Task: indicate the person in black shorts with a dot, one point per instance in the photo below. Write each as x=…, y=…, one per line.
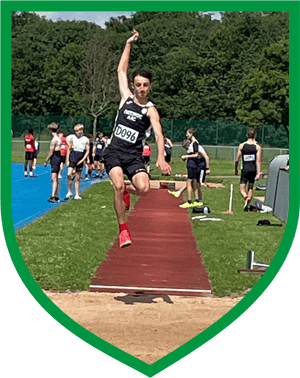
x=55, y=159
x=250, y=154
x=99, y=147
x=123, y=154
x=89, y=163
x=76, y=155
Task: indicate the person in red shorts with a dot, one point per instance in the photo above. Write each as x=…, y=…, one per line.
x=29, y=153
x=63, y=152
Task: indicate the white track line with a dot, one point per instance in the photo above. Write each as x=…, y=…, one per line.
x=149, y=289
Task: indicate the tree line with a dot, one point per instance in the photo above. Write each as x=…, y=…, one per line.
x=236, y=69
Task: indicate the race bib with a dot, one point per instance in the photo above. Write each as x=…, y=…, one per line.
x=126, y=133
x=28, y=146
x=249, y=158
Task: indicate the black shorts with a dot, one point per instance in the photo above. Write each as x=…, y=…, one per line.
x=201, y=175
x=193, y=173
x=146, y=159
x=168, y=158
x=35, y=154
x=77, y=167
x=247, y=176
x=29, y=155
x=55, y=163
x=63, y=159
x=91, y=159
x=131, y=164
x=98, y=158
x=75, y=157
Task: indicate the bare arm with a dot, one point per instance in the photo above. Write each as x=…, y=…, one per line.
x=123, y=68
x=258, y=163
x=87, y=150
x=155, y=121
x=237, y=159
x=52, y=149
x=68, y=152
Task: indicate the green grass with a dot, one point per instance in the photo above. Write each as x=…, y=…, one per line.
x=68, y=244
x=224, y=245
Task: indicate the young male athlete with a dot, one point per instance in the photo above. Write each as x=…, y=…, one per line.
x=29, y=153
x=250, y=154
x=195, y=157
x=124, y=152
x=99, y=147
x=77, y=153
x=63, y=152
x=55, y=158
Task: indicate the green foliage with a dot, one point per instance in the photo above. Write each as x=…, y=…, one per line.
x=265, y=92
x=203, y=68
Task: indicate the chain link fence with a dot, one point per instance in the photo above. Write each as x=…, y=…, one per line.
x=210, y=133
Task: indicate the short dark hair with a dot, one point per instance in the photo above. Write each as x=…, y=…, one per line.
x=251, y=132
x=191, y=130
x=144, y=73
x=30, y=131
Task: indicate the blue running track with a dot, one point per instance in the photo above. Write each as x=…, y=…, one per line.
x=29, y=195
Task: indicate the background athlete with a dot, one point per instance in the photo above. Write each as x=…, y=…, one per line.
x=124, y=153
x=250, y=152
x=29, y=153
x=77, y=153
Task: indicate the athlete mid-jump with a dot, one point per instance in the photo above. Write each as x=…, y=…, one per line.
x=124, y=153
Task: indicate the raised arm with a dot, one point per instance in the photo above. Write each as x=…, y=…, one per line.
x=123, y=68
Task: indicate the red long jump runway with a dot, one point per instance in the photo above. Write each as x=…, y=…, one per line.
x=163, y=258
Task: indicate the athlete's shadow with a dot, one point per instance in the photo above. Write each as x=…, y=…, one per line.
x=130, y=299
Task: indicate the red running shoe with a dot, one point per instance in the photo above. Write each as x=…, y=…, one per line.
x=124, y=239
x=126, y=199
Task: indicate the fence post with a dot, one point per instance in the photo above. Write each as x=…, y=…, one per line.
x=172, y=128
x=217, y=132
x=263, y=134
x=39, y=127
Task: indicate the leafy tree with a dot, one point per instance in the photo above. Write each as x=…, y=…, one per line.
x=265, y=92
x=99, y=78
x=63, y=78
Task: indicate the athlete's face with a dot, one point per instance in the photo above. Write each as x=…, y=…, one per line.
x=189, y=135
x=141, y=86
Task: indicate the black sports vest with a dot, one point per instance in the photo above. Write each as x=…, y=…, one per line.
x=130, y=127
x=249, y=156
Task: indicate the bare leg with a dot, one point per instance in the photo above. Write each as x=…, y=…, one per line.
x=55, y=184
x=117, y=178
x=77, y=183
x=189, y=189
x=70, y=179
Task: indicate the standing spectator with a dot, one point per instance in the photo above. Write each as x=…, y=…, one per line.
x=55, y=158
x=250, y=153
x=89, y=165
x=35, y=154
x=98, y=154
x=77, y=153
x=193, y=183
x=63, y=152
x=29, y=153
